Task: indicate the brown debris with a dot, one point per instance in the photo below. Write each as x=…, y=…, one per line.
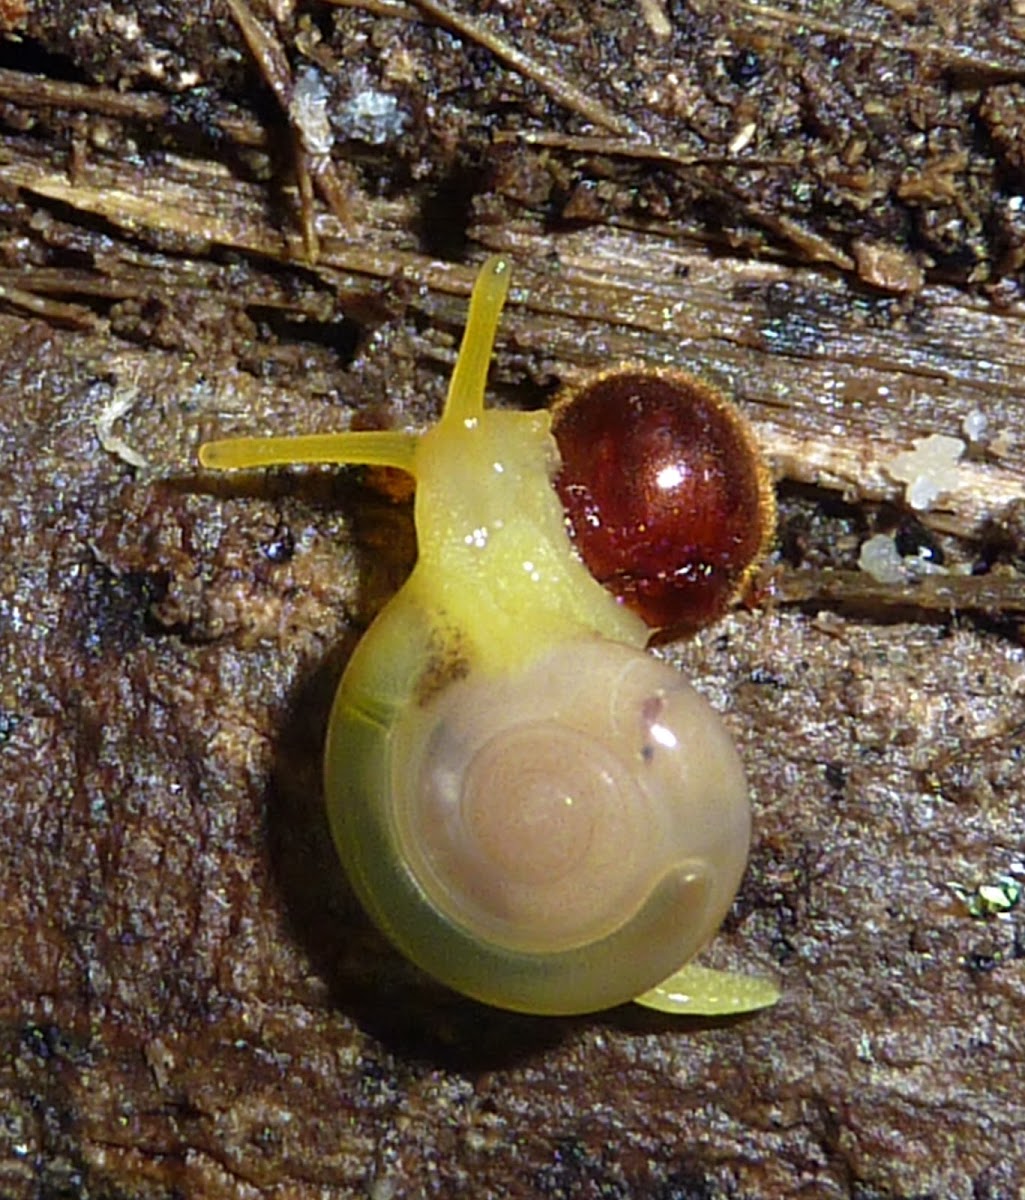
x=547, y=78
x=312, y=158
x=13, y=12
x=887, y=268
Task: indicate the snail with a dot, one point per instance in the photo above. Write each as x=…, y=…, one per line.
x=532, y=808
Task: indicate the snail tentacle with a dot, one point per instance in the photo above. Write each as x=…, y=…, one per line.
x=465, y=400
x=371, y=447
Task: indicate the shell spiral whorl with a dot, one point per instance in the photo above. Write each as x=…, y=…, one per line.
x=582, y=823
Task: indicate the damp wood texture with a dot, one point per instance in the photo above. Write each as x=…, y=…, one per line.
x=266, y=219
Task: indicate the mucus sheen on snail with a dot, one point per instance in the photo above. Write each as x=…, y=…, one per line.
x=536, y=811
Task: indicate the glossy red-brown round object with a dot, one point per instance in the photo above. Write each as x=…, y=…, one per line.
x=665, y=493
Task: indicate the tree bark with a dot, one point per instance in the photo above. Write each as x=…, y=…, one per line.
x=223, y=218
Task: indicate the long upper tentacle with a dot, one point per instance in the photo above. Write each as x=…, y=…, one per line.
x=385, y=448
x=465, y=399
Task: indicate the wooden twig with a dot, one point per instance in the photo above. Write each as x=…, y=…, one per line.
x=33, y=91
x=269, y=55
x=676, y=156
x=53, y=310
x=950, y=56
x=992, y=594
x=567, y=94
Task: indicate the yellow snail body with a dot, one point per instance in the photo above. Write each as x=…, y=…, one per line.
x=533, y=809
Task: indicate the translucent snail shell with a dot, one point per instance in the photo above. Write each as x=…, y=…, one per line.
x=534, y=810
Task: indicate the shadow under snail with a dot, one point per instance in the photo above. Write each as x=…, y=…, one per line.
x=533, y=809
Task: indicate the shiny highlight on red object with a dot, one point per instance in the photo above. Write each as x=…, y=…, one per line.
x=666, y=495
